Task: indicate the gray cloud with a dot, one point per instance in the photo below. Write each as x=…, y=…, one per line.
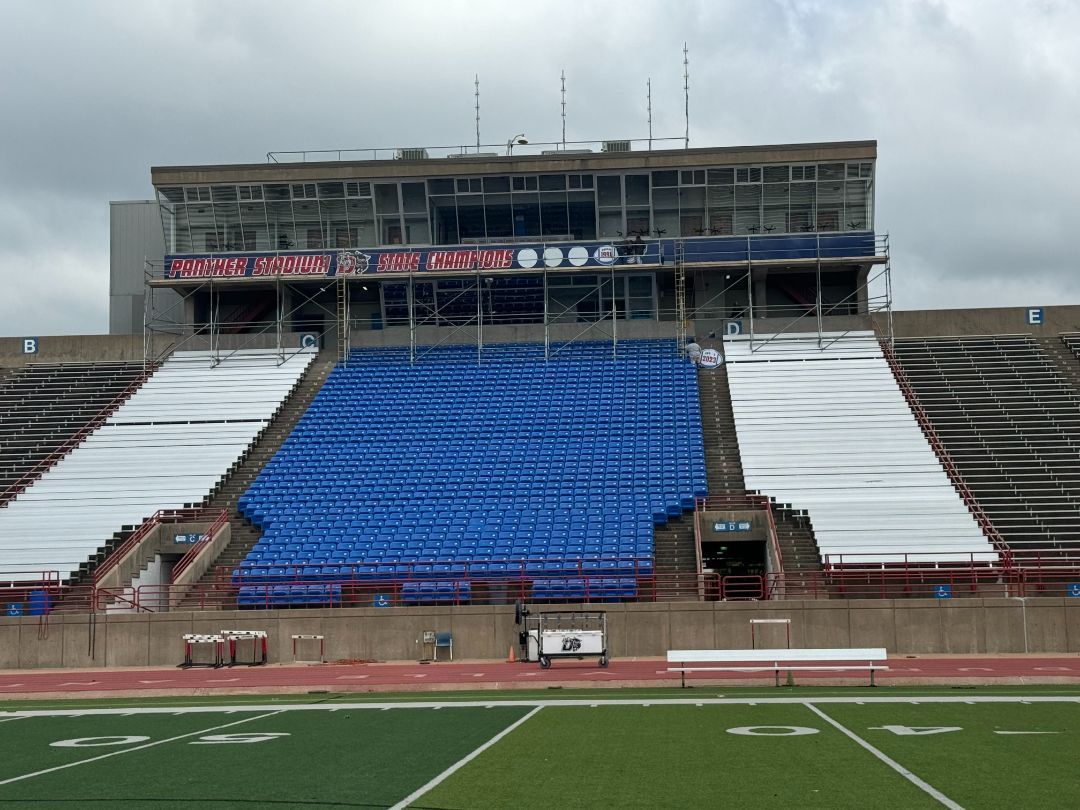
x=975, y=106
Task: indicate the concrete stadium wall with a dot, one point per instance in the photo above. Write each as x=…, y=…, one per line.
x=125, y=348
x=961, y=626
x=986, y=321
x=914, y=323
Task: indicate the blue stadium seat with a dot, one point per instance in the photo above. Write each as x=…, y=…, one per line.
x=443, y=471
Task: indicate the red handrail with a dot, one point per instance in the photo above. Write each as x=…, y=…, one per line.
x=945, y=458
x=75, y=440
x=748, y=501
x=193, y=552
x=151, y=523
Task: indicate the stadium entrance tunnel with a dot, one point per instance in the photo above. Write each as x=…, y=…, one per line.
x=734, y=558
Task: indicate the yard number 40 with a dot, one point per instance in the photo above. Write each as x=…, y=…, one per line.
x=922, y=731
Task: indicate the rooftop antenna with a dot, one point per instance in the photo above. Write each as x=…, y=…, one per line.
x=686, y=90
x=648, y=106
x=476, y=95
x=563, y=77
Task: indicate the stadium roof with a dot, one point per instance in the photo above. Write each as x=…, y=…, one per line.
x=314, y=165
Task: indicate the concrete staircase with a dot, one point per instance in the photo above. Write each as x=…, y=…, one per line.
x=723, y=464
x=244, y=534
x=674, y=545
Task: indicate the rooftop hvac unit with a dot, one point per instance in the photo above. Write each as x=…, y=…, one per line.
x=410, y=154
x=472, y=155
x=567, y=152
x=615, y=146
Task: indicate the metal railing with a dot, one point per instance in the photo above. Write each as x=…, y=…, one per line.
x=913, y=582
x=197, y=549
x=957, y=478
x=160, y=517
x=514, y=148
x=77, y=438
x=748, y=501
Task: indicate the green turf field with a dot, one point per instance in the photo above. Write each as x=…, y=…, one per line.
x=589, y=748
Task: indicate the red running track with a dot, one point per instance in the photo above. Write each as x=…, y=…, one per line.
x=488, y=675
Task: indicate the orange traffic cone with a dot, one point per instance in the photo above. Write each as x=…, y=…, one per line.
x=512, y=657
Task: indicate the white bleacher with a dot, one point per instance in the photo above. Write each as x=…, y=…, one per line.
x=823, y=426
x=166, y=447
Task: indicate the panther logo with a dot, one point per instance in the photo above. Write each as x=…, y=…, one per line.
x=352, y=263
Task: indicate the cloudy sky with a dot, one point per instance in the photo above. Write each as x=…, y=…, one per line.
x=975, y=105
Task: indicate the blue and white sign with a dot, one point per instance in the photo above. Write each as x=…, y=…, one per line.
x=732, y=526
x=943, y=591
x=1035, y=316
x=381, y=600
x=733, y=327
x=29, y=345
x=309, y=341
x=14, y=609
x=186, y=539
x=1073, y=589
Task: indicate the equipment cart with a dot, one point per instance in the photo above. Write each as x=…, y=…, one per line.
x=566, y=635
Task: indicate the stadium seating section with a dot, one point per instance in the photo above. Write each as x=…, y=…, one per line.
x=166, y=447
x=824, y=426
x=1011, y=423
x=44, y=405
x=446, y=471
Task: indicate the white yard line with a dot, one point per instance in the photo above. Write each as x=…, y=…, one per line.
x=442, y=777
x=926, y=787
x=133, y=748
x=474, y=704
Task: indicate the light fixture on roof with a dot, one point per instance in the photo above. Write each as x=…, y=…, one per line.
x=517, y=140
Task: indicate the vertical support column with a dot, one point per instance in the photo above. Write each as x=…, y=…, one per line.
x=148, y=308
x=343, y=324
x=680, y=297
x=888, y=290
x=410, y=301
x=614, y=316
x=212, y=310
x=547, y=329
x=479, y=313
x=817, y=288
x=279, y=309
x=750, y=292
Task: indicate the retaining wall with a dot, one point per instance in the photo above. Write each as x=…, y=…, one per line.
x=1037, y=625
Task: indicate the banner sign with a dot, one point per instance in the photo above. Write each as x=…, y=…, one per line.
x=425, y=260
x=497, y=258
x=710, y=358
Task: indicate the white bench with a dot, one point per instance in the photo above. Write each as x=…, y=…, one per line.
x=823, y=660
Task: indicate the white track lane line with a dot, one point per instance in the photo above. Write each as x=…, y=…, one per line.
x=472, y=704
x=438, y=780
x=135, y=748
x=926, y=787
